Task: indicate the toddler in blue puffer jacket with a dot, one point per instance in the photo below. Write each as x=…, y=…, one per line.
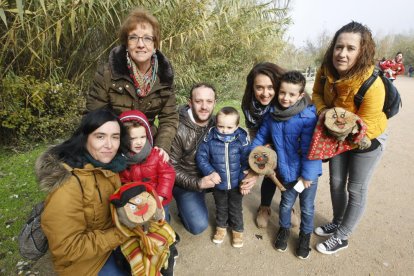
x=223, y=156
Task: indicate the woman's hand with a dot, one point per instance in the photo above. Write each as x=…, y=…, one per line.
x=248, y=182
x=206, y=183
x=164, y=154
x=215, y=177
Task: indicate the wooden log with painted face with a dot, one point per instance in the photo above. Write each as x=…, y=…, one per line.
x=262, y=161
x=343, y=124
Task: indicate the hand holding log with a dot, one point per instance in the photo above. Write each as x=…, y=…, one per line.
x=262, y=161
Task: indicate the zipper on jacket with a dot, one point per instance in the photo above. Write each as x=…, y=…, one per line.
x=226, y=156
x=97, y=187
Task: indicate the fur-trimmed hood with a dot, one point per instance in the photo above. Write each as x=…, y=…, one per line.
x=50, y=172
x=118, y=65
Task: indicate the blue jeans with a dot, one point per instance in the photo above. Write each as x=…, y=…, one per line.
x=350, y=174
x=192, y=209
x=111, y=268
x=307, y=207
x=167, y=213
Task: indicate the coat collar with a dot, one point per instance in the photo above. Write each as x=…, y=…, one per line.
x=352, y=82
x=240, y=135
x=51, y=173
x=185, y=119
x=119, y=69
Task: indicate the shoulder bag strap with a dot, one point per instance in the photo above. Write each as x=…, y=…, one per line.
x=359, y=97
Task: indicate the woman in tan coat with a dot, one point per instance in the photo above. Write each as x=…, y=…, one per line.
x=348, y=62
x=79, y=175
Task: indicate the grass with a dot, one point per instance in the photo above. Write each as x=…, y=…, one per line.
x=19, y=194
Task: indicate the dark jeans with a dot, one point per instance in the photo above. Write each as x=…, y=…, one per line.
x=229, y=208
x=113, y=266
x=267, y=192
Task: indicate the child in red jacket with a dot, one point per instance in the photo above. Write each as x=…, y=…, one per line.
x=393, y=67
x=145, y=163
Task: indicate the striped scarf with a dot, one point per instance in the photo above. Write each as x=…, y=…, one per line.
x=148, y=253
x=143, y=82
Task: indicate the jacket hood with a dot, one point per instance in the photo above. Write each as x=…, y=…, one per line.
x=186, y=120
x=50, y=172
x=118, y=65
x=140, y=118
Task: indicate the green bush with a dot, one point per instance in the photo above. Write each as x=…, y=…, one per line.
x=33, y=110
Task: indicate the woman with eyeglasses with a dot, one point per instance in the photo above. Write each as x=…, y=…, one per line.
x=139, y=77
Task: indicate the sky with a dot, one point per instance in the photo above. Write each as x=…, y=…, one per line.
x=311, y=17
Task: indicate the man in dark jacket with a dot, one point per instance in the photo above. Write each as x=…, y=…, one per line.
x=189, y=190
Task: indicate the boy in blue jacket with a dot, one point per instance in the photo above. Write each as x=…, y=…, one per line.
x=223, y=156
x=290, y=128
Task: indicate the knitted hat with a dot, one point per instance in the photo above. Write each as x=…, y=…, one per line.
x=126, y=192
x=140, y=118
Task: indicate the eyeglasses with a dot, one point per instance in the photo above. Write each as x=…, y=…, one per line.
x=146, y=39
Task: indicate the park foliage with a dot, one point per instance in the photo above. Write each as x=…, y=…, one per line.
x=50, y=49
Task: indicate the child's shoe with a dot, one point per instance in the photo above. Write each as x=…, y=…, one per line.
x=219, y=235
x=303, y=249
x=281, y=239
x=262, y=217
x=237, y=239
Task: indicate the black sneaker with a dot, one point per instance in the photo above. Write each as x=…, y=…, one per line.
x=169, y=271
x=174, y=251
x=302, y=251
x=326, y=230
x=332, y=245
x=177, y=238
x=281, y=239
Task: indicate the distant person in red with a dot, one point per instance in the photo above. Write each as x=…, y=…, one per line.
x=393, y=67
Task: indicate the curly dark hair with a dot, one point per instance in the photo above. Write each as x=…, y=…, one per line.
x=366, y=56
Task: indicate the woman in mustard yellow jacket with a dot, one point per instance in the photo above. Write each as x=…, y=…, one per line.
x=348, y=62
x=79, y=176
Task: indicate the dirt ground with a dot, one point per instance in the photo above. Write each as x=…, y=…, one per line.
x=382, y=244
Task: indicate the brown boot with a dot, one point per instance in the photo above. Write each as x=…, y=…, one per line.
x=294, y=220
x=219, y=235
x=263, y=215
x=237, y=239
